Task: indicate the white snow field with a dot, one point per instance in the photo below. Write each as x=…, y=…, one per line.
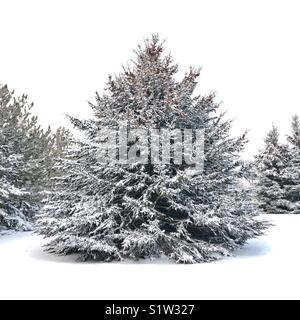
x=266, y=268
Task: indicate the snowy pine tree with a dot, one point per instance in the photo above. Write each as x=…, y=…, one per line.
x=294, y=138
x=250, y=171
x=291, y=174
x=278, y=188
x=116, y=211
x=26, y=160
x=271, y=163
x=14, y=207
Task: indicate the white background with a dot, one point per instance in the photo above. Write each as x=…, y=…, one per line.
x=60, y=52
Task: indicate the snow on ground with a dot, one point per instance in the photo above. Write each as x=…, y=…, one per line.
x=266, y=268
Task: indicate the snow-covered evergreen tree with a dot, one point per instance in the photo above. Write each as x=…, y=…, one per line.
x=117, y=211
x=250, y=171
x=291, y=174
x=26, y=159
x=14, y=206
x=278, y=187
x=294, y=137
x=271, y=163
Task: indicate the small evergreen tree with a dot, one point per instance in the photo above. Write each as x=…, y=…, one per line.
x=26, y=160
x=271, y=163
x=294, y=138
x=116, y=211
x=61, y=140
x=250, y=171
x=14, y=206
x=291, y=174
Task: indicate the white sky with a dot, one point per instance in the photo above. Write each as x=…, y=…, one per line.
x=59, y=52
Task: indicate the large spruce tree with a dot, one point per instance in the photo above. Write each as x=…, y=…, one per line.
x=117, y=211
x=26, y=158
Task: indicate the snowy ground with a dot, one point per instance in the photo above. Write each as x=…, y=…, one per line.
x=266, y=268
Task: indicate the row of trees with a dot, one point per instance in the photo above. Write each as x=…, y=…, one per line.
x=27, y=154
x=278, y=172
x=112, y=212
